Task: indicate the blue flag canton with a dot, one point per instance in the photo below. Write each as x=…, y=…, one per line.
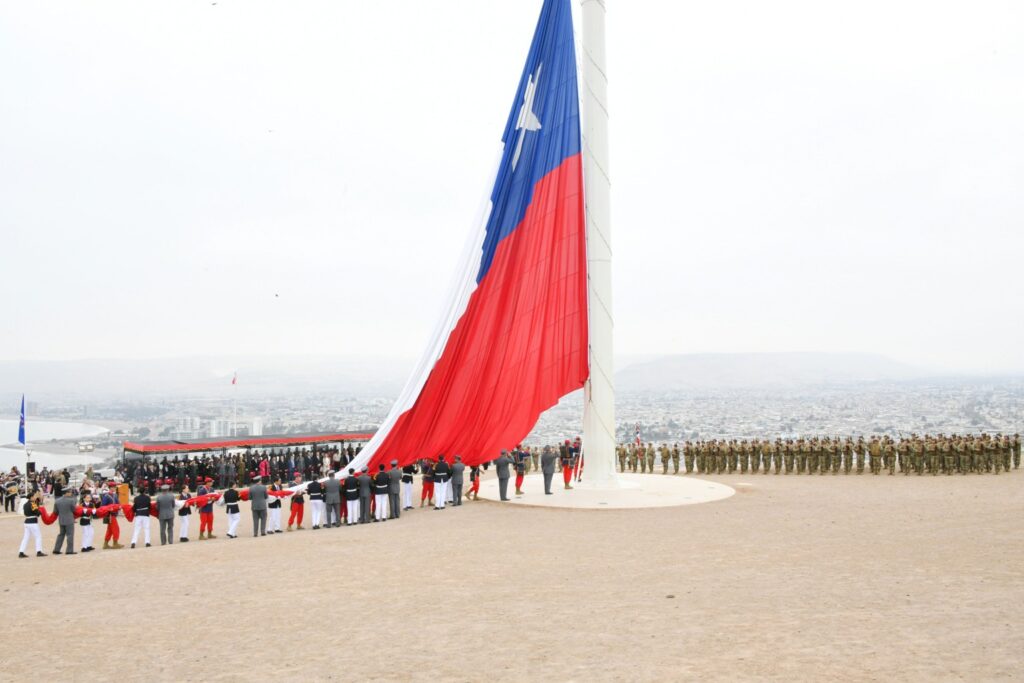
x=21, y=423
x=543, y=128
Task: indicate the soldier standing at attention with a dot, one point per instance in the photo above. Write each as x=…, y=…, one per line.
x=768, y=450
x=650, y=457
x=875, y=451
x=620, y=452
x=890, y=454
x=1016, y=451
x=665, y=455
x=688, y=457
x=641, y=457
x=316, y=502
x=948, y=458
x=675, y=458
x=858, y=449
x=743, y=451
x=535, y=457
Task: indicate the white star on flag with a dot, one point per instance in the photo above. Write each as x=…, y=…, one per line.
x=528, y=120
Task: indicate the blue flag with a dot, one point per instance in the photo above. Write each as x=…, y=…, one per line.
x=21, y=424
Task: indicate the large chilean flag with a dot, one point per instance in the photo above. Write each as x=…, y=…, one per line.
x=514, y=340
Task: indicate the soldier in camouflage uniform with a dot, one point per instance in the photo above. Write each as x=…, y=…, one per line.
x=1007, y=452
x=837, y=456
x=620, y=452
x=875, y=453
x=931, y=449
x=743, y=453
x=948, y=458
x=1016, y=451
x=858, y=450
x=675, y=458
x=665, y=455
x=641, y=457
x=650, y=458
x=723, y=456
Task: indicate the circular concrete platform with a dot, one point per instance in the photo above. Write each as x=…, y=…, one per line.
x=633, y=491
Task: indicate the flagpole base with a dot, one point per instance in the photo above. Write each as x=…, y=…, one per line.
x=625, y=491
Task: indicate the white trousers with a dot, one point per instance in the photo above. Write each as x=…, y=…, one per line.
x=352, y=508
x=87, y=534
x=141, y=522
x=406, y=494
x=381, y=511
x=183, y=523
x=32, y=531
x=274, y=523
x=233, y=519
x=318, y=507
x=440, y=493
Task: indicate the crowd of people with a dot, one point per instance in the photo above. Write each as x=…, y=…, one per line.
x=319, y=479
x=932, y=454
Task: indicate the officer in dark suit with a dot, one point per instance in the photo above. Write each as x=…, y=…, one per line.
x=365, y=482
x=258, y=504
x=165, y=514
x=394, y=490
x=65, y=509
x=501, y=464
x=332, y=498
x=458, y=468
x=548, y=459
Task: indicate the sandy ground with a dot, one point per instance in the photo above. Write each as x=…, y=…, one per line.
x=794, y=578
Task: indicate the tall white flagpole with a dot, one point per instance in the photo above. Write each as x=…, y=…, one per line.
x=599, y=391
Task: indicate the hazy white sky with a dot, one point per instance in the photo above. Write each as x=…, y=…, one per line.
x=786, y=175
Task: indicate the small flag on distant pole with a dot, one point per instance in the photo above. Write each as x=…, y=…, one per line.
x=21, y=424
x=234, y=379
x=638, y=442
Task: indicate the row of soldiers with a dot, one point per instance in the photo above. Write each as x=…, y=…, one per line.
x=934, y=454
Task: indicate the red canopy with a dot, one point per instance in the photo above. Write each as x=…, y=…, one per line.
x=199, y=445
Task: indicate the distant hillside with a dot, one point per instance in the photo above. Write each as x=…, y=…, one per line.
x=737, y=370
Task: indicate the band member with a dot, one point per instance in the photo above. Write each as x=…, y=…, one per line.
x=230, y=501
x=32, y=511
x=407, y=479
x=298, y=505
x=316, y=502
x=474, y=483
x=565, y=451
x=140, y=508
x=206, y=511
x=427, y=493
x=85, y=522
x=274, y=508
x=352, y=497
x=381, y=482
x=109, y=498
x=184, y=513
x=522, y=460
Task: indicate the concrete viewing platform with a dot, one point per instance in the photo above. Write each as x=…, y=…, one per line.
x=633, y=491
